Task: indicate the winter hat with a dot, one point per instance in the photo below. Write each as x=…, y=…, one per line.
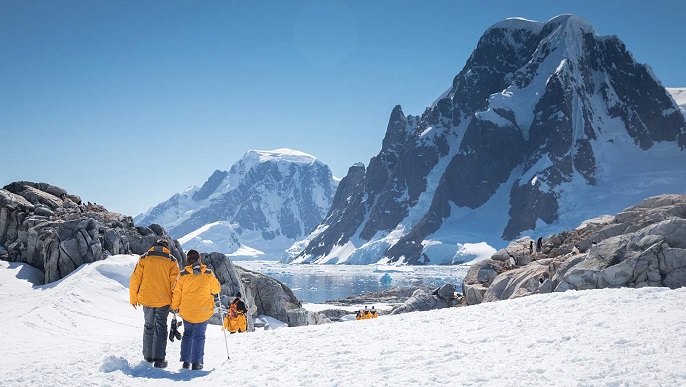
x=238, y=294
x=162, y=242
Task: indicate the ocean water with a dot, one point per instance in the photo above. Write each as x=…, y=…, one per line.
x=319, y=283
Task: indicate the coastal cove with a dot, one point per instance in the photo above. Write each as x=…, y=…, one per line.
x=320, y=283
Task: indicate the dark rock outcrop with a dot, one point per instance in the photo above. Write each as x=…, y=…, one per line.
x=442, y=297
x=52, y=230
x=270, y=297
x=644, y=245
x=263, y=295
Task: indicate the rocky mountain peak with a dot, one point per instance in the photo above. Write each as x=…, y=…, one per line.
x=543, y=117
x=269, y=199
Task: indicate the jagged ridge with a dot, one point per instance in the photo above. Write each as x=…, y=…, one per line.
x=542, y=118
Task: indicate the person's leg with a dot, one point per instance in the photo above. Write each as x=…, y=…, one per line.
x=187, y=341
x=198, y=350
x=161, y=333
x=148, y=333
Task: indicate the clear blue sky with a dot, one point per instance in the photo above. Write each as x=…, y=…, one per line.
x=128, y=102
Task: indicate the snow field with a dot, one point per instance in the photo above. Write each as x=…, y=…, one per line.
x=82, y=331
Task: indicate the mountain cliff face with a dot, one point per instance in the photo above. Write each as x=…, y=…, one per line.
x=546, y=125
x=267, y=200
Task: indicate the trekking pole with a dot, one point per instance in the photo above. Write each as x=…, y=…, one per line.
x=221, y=314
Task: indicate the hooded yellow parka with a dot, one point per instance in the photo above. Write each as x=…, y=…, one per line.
x=153, y=278
x=235, y=320
x=194, y=293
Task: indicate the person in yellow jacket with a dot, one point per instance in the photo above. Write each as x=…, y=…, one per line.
x=194, y=300
x=151, y=286
x=373, y=313
x=366, y=314
x=236, y=320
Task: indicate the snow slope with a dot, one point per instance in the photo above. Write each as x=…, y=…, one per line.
x=679, y=95
x=81, y=331
x=216, y=236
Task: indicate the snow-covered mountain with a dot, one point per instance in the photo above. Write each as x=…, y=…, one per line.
x=546, y=125
x=267, y=201
x=217, y=236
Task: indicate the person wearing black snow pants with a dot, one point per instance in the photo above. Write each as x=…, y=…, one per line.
x=155, y=333
x=151, y=286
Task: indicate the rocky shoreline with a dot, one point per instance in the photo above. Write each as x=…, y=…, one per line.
x=401, y=300
x=394, y=296
x=644, y=245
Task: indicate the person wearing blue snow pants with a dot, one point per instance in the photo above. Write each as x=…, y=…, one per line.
x=193, y=342
x=193, y=298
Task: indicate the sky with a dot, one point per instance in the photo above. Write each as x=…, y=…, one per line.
x=126, y=103
x=81, y=331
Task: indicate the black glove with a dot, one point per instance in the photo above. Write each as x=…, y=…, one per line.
x=174, y=330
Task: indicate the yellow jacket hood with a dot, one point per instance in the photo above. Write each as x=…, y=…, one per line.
x=194, y=293
x=153, y=278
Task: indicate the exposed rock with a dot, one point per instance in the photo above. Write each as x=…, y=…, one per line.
x=335, y=314
x=644, y=245
x=481, y=275
x=272, y=298
x=299, y=317
x=389, y=296
x=443, y=297
x=446, y=292
x=46, y=227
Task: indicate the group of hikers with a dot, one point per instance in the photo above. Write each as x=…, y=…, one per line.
x=159, y=286
x=366, y=314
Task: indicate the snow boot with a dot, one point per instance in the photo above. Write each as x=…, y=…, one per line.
x=186, y=365
x=196, y=366
x=160, y=363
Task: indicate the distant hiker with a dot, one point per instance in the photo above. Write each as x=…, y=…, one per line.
x=366, y=314
x=531, y=247
x=373, y=313
x=194, y=300
x=539, y=244
x=151, y=285
x=358, y=315
x=236, y=320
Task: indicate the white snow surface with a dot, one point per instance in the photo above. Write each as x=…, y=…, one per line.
x=212, y=237
x=679, y=95
x=81, y=331
x=284, y=154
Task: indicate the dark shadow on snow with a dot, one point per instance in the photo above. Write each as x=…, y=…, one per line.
x=147, y=371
